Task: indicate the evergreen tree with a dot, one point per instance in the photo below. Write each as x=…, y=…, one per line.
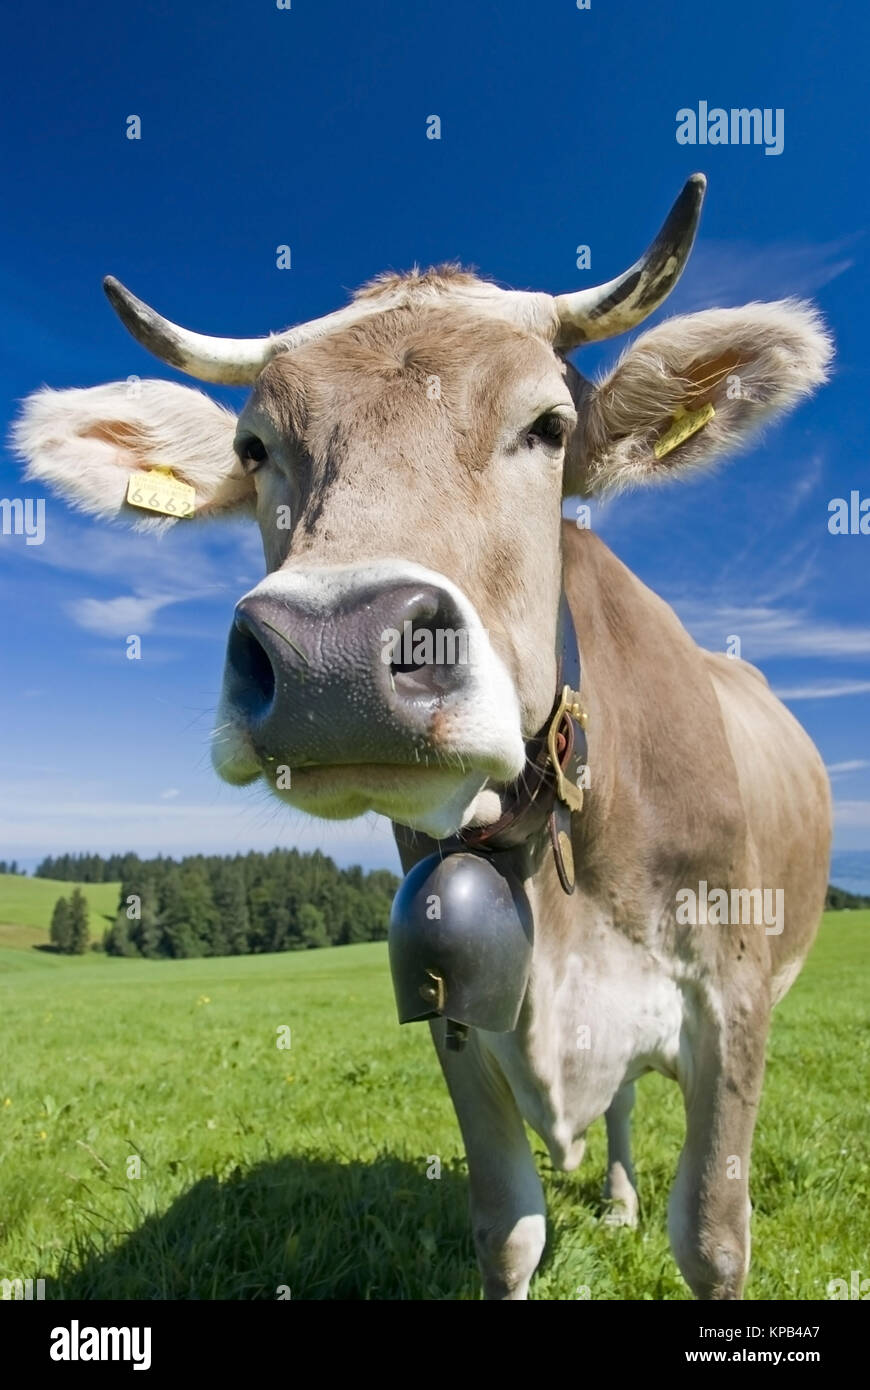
x=312, y=926
x=79, y=935
x=187, y=912
x=147, y=932
x=60, y=932
x=233, y=923
x=117, y=941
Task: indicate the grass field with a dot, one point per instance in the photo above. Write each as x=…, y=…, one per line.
x=307, y=1167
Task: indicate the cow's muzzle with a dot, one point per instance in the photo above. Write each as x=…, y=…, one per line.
x=362, y=683
x=367, y=687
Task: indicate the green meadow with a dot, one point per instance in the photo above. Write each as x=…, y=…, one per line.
x=156, y=1142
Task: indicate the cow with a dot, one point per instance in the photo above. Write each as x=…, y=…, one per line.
x=406, y=458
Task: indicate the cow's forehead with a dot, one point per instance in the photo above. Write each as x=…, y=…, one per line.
x=467, y=360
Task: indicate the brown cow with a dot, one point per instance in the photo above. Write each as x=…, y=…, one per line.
x=406, y=459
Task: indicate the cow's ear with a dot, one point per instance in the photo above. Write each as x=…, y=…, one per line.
x=693, y=389
x=85, y=444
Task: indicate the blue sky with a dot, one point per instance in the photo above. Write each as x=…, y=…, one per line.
x=308, y=127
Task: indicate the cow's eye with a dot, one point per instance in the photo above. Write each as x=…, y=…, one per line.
x=550, y=428
x=252, y=453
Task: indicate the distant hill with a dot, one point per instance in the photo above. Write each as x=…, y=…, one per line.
x=26, y=905
x=209, y=905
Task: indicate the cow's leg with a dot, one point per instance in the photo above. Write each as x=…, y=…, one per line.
x=708, y=1213
x=507, y=1200
x=619, y=1189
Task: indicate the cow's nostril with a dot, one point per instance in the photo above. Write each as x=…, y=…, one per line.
x=252, y=667
x=416, y=650
x=428, y=658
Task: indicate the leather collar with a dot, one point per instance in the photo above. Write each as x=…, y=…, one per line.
x=549, y=789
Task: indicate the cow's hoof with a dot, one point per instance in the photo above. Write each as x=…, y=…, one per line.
x=621, y=1212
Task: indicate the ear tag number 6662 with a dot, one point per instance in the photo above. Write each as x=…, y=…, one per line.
x=158, y=491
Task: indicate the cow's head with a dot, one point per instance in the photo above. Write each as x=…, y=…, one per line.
x=406, y=458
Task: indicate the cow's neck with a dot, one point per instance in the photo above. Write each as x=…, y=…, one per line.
x=548, y=792
x=536, y=816
x=657, y=743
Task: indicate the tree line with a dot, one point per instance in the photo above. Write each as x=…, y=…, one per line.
x=84, y=868
x=838, y=898
x=97, y=868
x=211, y=905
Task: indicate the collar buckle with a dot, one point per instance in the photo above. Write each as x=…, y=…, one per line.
x=568, y=707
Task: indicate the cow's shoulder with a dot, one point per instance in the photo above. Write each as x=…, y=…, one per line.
x=732, y=668
x=665, y=784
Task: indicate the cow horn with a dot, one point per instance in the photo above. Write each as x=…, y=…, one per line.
x=229, y=361
x=607, y=310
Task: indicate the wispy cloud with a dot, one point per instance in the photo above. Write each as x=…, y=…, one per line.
x=734, y=272
x=190, y=560
x=767, y=631
x=853, y=813
x=117, y=617
x=803, y=486
x=826, y=690
x=852, y=765
x=755, y=548
x=205, y=563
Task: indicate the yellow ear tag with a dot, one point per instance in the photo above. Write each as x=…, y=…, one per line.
x=683, y=426
x=158, y=490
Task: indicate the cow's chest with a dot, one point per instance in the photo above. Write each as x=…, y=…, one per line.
x=590, y=1023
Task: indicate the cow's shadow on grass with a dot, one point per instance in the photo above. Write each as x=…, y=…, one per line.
x=307, y=1228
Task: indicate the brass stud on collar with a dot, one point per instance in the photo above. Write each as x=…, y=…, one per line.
x=433, y=992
